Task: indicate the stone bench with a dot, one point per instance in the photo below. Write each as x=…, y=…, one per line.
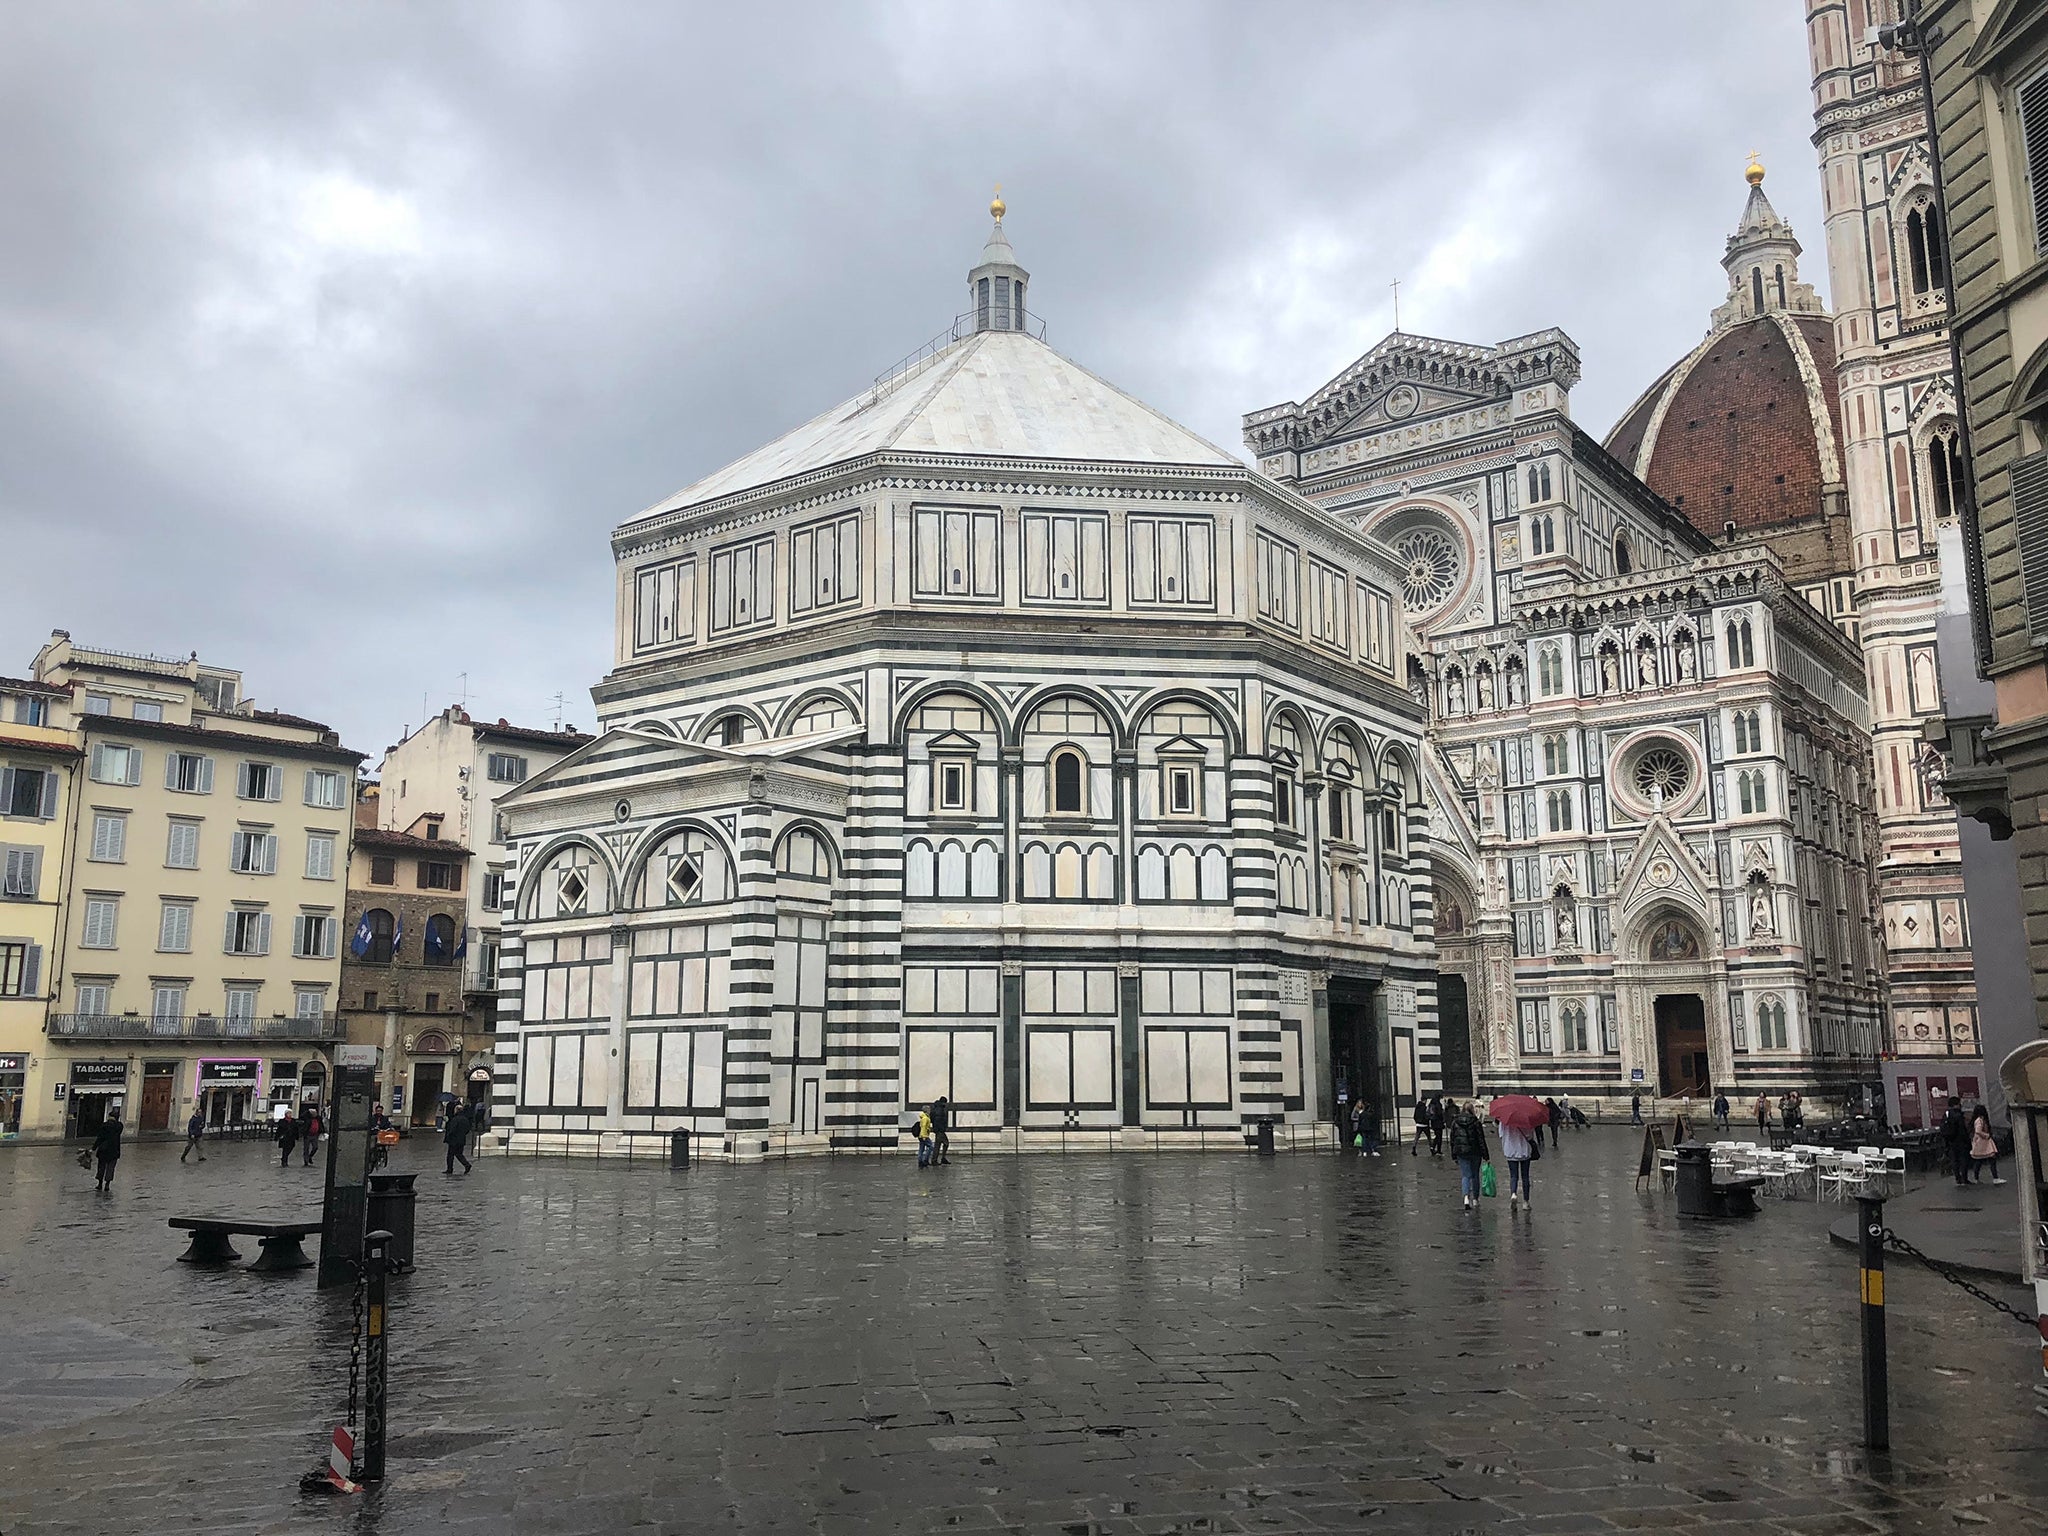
x=282, y=1241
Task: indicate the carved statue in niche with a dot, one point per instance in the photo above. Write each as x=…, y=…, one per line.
x=1451, y=919
x=1567, y=922
x=1646, y=666
x=1485, y=687
x=1686, y=664
x=1518, y=689
x=1610, y=671
x=1454, y=693
x=1763, y=922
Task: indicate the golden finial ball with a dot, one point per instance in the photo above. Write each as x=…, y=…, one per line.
x=996, y=206
x=1755, y=174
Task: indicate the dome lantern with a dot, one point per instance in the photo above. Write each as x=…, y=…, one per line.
x=995, y=288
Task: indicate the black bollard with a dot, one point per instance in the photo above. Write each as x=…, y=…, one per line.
x=1877, y=1428
x=376, y=1367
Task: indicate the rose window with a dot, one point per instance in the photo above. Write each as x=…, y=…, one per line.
x=1430, y=568
x=1662, y=774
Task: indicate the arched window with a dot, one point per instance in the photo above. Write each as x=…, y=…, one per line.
x=734, y=730
x=1069, y=783
x=438, y=943
x=688, y=868
x=1771, y=1034
x=1750, y=792
x=1287, y=759
x=1756, y=288
x=1557, y=755
x=1741, y=644
x=1571, y=1020
x=804, y=856
x=1944, y=475
x=821, y=714
x=1781, y=287
x=1624, y=557
x=1550, y=671
x=375, y=934
x=1340, y=792
x=1542, y=533
x=1560, y=808
x=1925, y=258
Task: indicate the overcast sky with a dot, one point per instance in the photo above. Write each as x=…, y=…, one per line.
x=335, y=339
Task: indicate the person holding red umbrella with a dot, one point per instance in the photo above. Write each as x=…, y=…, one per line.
x=1521, y=1117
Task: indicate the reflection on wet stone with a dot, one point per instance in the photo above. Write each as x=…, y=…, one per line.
x=1125, y=1344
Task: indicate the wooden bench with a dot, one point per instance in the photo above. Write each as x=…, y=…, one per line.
x=282, y=1241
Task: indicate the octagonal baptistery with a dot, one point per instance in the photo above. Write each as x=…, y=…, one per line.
x=991, y=737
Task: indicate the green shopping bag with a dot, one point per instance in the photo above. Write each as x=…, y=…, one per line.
x=1358, y=1140
x=1487, y=1186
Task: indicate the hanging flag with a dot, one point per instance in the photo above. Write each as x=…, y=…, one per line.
x=435, y=943
x=397, y=935
x=462, y=944
x=359, y=943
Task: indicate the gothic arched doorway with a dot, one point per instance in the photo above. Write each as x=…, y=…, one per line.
x=1454, y=1033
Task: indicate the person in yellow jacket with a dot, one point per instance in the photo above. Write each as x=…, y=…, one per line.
x=924, y=1138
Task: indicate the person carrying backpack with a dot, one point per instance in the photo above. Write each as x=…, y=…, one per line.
x=924, y=1138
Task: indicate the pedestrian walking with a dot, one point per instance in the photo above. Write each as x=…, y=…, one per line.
x=1635, y=1109
x=194, y=1129
x=1365, y=1122
x=287, y=1138
x=1721, y=1110
x=455, y=1136
x=1556, y=1119
x=1571, y=1116
x=942, y=1125
x=1421, y=1126
x=1798, y=1111
x=1437, y=1117
x=106, y=1151
x=1520, y=1148
x=1983, y=1146
x=1468, y=1151
x=1955, y=1135
x=923, y=1129
x=1763, y=1115
x=311, y=1134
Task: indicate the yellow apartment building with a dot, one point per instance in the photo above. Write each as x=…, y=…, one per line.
x=38, y=773
x=197, y=960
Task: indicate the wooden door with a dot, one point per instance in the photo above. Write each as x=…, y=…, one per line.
x=156, y=1103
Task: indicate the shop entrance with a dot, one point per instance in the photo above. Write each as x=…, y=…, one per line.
x=91, y=1110
x=159, y=1079
x=1454, y=1033
x=1682, y=1046
x=1354, y=1048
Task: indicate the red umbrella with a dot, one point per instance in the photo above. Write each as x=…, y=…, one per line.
x=1519, y=1111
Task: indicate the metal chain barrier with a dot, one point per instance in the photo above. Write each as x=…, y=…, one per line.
x=355, y=1342
x=1894, y=1241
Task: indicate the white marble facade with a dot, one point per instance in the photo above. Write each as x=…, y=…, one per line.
x=989, y=736
x=1648, y=756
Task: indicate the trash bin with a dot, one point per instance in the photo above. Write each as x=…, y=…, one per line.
x=679, y=1148
x=1695, y=1179
x=392, y=1203
x=1265, y=1138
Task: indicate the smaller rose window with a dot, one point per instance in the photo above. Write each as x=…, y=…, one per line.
x=1430, y=568
x=1662, y=774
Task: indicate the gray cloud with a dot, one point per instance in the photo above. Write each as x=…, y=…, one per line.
x=335, y=339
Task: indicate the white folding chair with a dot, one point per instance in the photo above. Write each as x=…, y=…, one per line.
x=1667, y=1166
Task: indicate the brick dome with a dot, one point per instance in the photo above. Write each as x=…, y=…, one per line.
x=1744, y=428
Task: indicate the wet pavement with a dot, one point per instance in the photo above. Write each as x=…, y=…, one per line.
x=1078, y=1345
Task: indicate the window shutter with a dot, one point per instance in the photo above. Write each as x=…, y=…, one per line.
x=269, y=855
x=276, y=784
x=134, y=765
x=170, y=770
x=6, y=791
x=49, y=795
x=2030, y=516
x=311, y=777
x=227, y=936
x=206, y=775
x=32, y=972
x=2033, y=115
x=262, y=933
x=242, y=780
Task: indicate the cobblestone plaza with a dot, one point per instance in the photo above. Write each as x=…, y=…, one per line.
x=1075, y=1344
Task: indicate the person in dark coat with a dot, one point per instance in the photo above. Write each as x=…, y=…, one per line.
x=1421, y=1125
x=1955, y=1135
x=1635, y=1109
x=1556, y=1119
x=287, y=1138
x=310, y=1131
x=195, y=1128
x=1468, y=1151
x=1437, y=1117
x=106, y=1151
x=455, y=1137
x=942, y=1124
x=1365, y=1125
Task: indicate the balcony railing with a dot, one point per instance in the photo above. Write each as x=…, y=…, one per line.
x=207, y=1026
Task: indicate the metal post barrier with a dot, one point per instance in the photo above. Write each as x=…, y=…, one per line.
x=1877, y=1429
x=377, y=1363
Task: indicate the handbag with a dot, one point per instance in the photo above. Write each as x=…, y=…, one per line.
x=1487, y=1183
x=1536, y=1147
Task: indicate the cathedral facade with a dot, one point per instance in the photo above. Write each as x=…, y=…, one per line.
x=1648, y=752
x=990, y=736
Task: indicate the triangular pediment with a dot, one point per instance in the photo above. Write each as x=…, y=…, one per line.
x=1662, y=869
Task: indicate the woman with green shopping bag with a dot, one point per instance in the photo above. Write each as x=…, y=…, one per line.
x=1468, y=1150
